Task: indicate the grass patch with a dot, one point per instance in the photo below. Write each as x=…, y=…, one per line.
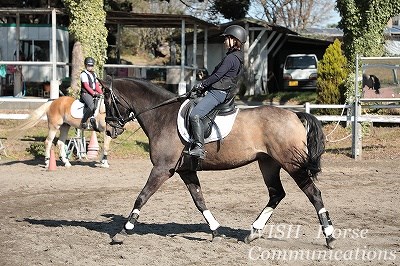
x=132, y=143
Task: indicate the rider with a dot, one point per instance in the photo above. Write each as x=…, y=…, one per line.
x=221, y=85
x=90, y=89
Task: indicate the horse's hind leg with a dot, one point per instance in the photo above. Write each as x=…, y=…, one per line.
x=193, y=184
x=270, y=171
x=64, y=128
x=307, y=185
x=48, y=143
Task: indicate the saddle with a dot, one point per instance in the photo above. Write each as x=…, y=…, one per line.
x=78, y=108
x=217, y=124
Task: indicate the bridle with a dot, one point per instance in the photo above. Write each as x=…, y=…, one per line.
x=117, y=120
x=114, y=117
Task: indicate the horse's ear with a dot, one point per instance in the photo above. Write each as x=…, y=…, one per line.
x=106, y=83
x=108, y=80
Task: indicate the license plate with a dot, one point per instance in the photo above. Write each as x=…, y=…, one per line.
x=293, y=83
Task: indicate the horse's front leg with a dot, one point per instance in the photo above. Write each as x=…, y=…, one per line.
x=157, y=177
x=61, y=144
x=193, y=184
x=106, y=148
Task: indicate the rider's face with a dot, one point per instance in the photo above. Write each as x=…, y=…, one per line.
x=228, y=42
x=90, y=68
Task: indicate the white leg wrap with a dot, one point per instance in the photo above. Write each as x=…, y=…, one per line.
x=328, y=230
x=129, y=225
x=211, y=220
x=263, y=218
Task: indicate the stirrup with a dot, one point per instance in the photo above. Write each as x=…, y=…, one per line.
x=84, y=125
x=198, y=152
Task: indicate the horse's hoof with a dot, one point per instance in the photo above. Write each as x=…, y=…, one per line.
x=330, y=242
x=254, y=234
x=118, y=239
x=104, y=164
x=68, y=165
x=217, y=237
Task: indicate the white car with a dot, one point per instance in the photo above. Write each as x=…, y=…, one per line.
x=300, y=71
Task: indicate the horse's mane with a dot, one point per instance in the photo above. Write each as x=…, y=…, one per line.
x=162, y=92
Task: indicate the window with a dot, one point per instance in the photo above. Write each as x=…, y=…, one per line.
x=35, y=50
x=300, y=62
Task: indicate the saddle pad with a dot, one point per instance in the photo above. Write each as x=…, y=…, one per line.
x=77, y=109
x=224, y=124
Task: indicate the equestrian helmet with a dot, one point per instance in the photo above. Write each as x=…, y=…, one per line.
x=89, y=61
x=236, y=31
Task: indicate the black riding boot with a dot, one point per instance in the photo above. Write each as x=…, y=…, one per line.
x=198, y=136
x=86, y=115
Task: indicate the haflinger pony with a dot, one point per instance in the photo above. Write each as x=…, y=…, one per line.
x=274, y=137
x=63, y=113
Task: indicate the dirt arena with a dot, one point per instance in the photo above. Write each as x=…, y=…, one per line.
x=67, y=216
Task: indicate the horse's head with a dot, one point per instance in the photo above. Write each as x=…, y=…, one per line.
x=118, y=112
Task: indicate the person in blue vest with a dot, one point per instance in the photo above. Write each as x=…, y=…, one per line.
x=90, y=90
x=220, y=87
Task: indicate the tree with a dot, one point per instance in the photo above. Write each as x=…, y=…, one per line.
x=232, y=9
x=294, y=14
x=363, y=23
x=87, y=26
x=332, y=73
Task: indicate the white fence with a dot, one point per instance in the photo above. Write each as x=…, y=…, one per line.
x=348, y=116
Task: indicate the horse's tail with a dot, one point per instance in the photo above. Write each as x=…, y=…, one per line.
x=33, y=119
x=311, y=163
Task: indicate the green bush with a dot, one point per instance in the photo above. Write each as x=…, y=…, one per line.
x=332, y=73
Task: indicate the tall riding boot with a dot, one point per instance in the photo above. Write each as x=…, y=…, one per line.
x=86, y=115
x=198, y=136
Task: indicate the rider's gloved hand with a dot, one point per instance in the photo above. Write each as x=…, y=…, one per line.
x=199, y=87
x=96, y=94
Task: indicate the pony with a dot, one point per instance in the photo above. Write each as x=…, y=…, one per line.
x=59, y=118
x=273, y=137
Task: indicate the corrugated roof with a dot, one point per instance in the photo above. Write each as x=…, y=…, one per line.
x=154, y=20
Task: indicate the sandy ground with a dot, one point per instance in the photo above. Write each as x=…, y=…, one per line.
x=67, y=216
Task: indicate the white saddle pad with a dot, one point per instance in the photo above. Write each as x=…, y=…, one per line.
x=77, y=109
x=223, y=125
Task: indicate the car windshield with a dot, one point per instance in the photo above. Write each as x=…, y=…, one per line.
x=301, y=62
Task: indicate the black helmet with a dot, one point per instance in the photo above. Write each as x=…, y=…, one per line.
x=89, y=61
x=236, y=31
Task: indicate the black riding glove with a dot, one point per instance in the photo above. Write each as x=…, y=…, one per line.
x=199, y=87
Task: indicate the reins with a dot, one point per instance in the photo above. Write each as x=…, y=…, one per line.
x=174, y=99
x=122, y=121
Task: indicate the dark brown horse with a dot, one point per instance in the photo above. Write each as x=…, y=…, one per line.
x=276, y=138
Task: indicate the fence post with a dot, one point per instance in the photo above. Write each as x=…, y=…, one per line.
x=356, y=148
x=307, y=107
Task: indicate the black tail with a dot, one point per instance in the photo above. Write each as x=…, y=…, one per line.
x=315, y=144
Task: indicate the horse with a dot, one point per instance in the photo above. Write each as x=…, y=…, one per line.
x=59, y=117
x=274, y=137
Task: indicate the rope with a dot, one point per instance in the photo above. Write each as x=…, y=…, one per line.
x=333, y=130
x=130, y=135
